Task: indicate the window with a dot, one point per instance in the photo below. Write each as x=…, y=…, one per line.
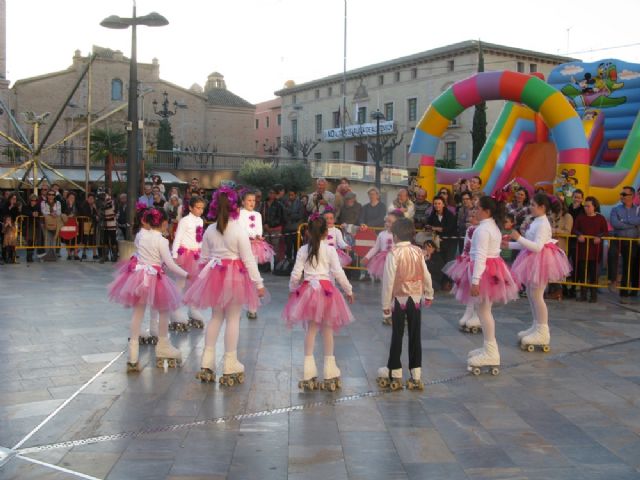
x=380, y=79
x=279, y=119
x=521, y=67
x=533, y=68
x=336, y=119
x=388, y=111
x=116, y=89
x=453, y=123
x=412, y=109
x=257, y=124
x=317, y=93
x=317, y=155
x=335, y=155
x=278, y=141
x=450, y=152
x=397, y=76
x=387, y=156
x=294, y=130
x=362, y=115
x=330, y=91
x=295, y=99
x=414, y=73
x=319, y=123
x=267, y=122
x=450, y=65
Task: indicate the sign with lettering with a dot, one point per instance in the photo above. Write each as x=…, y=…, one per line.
x=363, y=130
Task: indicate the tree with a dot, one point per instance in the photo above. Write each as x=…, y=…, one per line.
x=296, y=176
x=479, y=129
x=105, y=145
x=165, y=137
x=447, y=163
x=264, y=175
x=305, y=147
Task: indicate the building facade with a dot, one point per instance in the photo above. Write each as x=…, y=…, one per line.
x=267, y=127
x=401, y=90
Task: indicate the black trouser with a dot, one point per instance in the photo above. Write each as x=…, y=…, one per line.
x=9, y=254
x=588, y=270
x=629, y=252
x=291, y=244
x=412, y=314
x=110, y=244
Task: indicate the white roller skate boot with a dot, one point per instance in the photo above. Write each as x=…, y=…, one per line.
x=488, y=359
x=232, y=370
x=196, y=319
x=528, y=331
x=331, y=380
x=415, y=382
x=166, y=351
x=473, y=324
x=151, y=336
x=309, y=374
x=207, y=373
x=389, y=379
x=132, y=363
x=468, y=311
x=178, y=321
x=538, y=338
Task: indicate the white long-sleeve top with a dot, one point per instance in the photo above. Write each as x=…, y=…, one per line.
x=335, y=238
x=252, y=226
x=234, y=244
x=186, y=234
x=405, y=276
x=325, y=267
x=153, y=249
x=485, y=243
x=384, y=242
x=536, y=237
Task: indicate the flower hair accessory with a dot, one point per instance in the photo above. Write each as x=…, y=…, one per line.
x=328, y=209
x=199, y=233
x=141, y=207
x=314, y=216
x=232, y=197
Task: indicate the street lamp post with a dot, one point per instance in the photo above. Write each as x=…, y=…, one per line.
x=377, y=116
x=153, y=19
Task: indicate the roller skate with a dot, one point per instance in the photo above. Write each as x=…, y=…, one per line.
x=539, y=337
x=528, y=331
x=132, y=363
x=167, y=352
x=151, y=336
x=196, y=320
x=468, y=312
x=473, y=324
x=331, y=375
x=309, y=375
x=178, y=322
x=386, y=320
x=232, y=370
x=252, y=315
x=415, y=383
x=488, y=360
x=389, y=379
x=207, y=373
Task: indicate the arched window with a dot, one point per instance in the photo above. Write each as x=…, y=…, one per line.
x=116, y=89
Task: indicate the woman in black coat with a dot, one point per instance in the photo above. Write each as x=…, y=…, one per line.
x=444, y=224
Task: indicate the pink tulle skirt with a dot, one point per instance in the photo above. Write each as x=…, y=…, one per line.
x=189, y=261
x=375, y=267
x=540, y=268
x=262, y=250
x=496, y=284
x=134, y=286
x=456, y=269
x=344, y=257
x=126, y=265
x=225, y=284
x=321, y=303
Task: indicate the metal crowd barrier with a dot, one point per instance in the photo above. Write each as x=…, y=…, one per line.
x=31, y=233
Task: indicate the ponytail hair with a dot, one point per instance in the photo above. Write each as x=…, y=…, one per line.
x=224, y=205
x=154, y=217
x=543, y=200
x=316, y=230
x=496, y=209
x=222, y=219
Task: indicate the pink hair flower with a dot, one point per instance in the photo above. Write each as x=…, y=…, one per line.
x=181, y=251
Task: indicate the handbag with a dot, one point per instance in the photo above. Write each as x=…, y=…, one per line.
x=87, y=227
x=51, y=223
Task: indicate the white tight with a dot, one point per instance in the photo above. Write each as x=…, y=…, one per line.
x=487, y=321
x=138, y=316
x=232, y=330
x=538, y=307
x=310, y=339
x=180, y=283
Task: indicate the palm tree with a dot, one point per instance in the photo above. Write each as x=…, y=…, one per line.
x=106, y=144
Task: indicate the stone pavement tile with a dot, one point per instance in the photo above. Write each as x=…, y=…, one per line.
x=29, y=409
x=585, y=415
x=613, y=437
x=495, y=473
x=14, y=398
x=359, y=416
x=19, y=469
x=258, y=467
x=485, y=456
x=272, y=424
x=493, y=416
x=403, y=410
x=434, y=405
x=607, y=472
x=559, y=473
x=316, y=461
x=141, y=468
x=528, y=449
x=314, y=427
x=371, y=455
x=589, y=455
x=421, y=445
x=98, y=464
x=422, y=471
x=461, y=430
x=555, y=428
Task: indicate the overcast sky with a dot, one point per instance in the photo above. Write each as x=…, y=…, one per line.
x=259, y=44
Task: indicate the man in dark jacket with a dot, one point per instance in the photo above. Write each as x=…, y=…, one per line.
x=293, y=211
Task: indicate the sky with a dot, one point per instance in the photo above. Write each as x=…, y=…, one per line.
x=259, y=44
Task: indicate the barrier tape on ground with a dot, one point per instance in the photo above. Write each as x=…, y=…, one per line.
x=291, y=408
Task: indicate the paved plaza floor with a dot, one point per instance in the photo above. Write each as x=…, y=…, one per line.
x=69, y=410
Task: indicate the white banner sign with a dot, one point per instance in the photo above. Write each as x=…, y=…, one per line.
x=364, y=130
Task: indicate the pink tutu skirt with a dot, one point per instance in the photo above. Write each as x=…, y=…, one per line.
x=319, y=302
x=189, y=261
x=144, y=285
x=262, y=250
x=496, y=284
x=456, y=269
x=344, y=257
x=222, y=284
x=375, y=267
x=126, y=265
x=539, y=268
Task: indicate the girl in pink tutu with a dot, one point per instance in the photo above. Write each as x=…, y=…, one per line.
x=539, y=262
x=229, y=282
x=251, y=222
x=335, y=238
x=186, y=252
x=316, y=303
x=487, y=280
x=375, y=258
x=145, y=284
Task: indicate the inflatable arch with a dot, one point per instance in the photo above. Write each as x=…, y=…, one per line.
x=557, y=113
